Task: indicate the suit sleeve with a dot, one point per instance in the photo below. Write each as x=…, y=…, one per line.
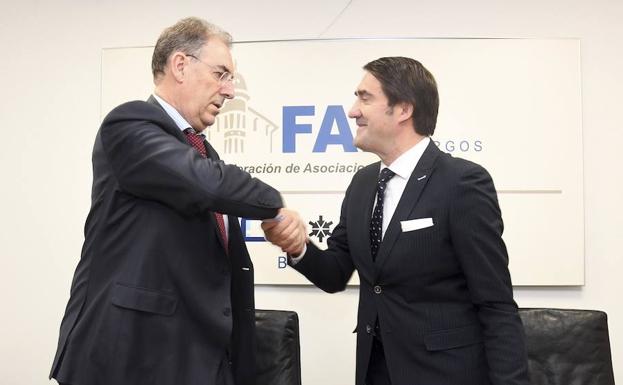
x=476, y=230
x=330, y=269
x=151, y=164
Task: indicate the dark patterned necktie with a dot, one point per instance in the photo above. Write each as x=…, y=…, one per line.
x=376, y=224
x=196, y=141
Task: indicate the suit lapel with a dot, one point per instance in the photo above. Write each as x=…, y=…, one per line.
x=418, y=180
x=172, y=127
x=212, y=154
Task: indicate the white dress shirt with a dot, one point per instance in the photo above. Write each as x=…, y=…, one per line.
x=403, y=167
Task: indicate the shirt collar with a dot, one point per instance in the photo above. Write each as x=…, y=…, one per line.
x=180, y=122
x=404, y=165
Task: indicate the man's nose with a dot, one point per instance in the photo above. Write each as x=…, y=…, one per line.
x=354, y=112
x=227, y=90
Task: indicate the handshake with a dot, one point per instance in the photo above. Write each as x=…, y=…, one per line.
x=287, y=231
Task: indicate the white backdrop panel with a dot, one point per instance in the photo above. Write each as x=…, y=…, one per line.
x=512, y=105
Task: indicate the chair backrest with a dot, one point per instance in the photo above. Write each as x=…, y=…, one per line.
x=278, y=348
x=568, y=347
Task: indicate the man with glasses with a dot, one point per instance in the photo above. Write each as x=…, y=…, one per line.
x=163, y=292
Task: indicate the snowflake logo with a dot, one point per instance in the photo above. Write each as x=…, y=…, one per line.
x=320, y=228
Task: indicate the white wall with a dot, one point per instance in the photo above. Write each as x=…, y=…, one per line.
x=49, y=113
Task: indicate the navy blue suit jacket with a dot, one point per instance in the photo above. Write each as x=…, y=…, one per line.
x=155, y=298
x=442, y=294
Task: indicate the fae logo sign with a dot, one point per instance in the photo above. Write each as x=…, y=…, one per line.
x=288, y=125
x=238, y=125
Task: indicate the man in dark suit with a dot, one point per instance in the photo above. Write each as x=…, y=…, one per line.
x=424, y=232
x=163, y=292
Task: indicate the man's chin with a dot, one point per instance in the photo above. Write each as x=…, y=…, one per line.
x=360, y=144
x=208, y=121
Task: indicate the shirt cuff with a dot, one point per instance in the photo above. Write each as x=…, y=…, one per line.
x=294, y=260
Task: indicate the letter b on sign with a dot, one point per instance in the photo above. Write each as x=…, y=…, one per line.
x=282, y=262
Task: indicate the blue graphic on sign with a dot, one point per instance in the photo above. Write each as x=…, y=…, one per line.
x=247, y=226
x=334, y=116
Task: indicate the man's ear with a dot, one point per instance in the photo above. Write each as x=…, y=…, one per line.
x=404, y=111
x=177, y=64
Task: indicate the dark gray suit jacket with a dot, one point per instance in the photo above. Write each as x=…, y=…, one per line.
x=155, y=298
x=442, y=294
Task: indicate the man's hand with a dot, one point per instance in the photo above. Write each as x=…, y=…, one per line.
x=287, y=231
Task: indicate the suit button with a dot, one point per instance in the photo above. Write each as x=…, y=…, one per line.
x=368, y=329
x=377, y=289
x=227, y=312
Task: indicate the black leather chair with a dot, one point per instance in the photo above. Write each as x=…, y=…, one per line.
x=565, y=347
x=279, y=353
x=568, y=347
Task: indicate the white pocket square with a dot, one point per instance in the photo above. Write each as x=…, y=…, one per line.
x=416, y=224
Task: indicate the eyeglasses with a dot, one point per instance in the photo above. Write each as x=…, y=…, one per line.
x=222, y=76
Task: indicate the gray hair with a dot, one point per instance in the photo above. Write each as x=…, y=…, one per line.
x=188, y=36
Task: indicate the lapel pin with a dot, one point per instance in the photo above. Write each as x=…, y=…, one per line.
x=422, y=177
